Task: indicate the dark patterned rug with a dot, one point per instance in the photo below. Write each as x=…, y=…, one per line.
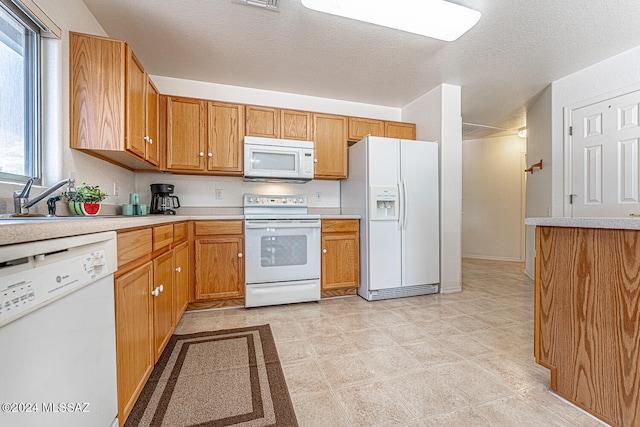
x=220, y=378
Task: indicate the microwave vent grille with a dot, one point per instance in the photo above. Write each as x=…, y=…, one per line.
x=273, y=5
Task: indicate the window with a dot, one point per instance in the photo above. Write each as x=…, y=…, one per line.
x=19, y=94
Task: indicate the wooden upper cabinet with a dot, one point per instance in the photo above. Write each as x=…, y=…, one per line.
x=400, y=130
x=225, y=138
x=262, y=121
x=152, y=137
x=330, y=146
x=185, y=134
x=360, y=127
x=136, y=83
x=97, y=73
x=296, y=125
x=108, y=101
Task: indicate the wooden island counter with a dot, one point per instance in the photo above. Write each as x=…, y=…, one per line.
x=587, y=313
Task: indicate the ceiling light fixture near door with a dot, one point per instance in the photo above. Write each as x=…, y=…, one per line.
x=273, y=5
x=437, y=19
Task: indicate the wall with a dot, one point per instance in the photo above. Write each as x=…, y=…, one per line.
x=493, y=198
x=58, y=159
x=437, y=117
x=547, y=133
x=539, y=200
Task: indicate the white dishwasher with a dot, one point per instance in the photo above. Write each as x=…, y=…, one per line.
x=57, y=332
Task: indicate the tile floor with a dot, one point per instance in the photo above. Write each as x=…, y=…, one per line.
x=463, y=359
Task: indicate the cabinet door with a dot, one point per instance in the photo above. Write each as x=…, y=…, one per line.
x=97, y=73
x=136, y=106
x=330, y=146
x=163, y=314
x=181, y=279
x=262, y=121
x=400, y=130
x=186, y=121
x=340, y=261
x=219, y=267
x=134, y=335
x=225, y=137
x=152, y=137
x=360, y=127
x=296, y=125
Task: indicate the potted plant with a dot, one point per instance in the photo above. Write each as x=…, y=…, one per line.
x=86, y=200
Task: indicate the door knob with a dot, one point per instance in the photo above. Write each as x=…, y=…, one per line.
x=240, y=255
x=315, y=160
x=201, y=154
x=178, y=269
x=210, y=154
x=161, y=288
x=155, y=292
x=150, y=141
x=324, y=251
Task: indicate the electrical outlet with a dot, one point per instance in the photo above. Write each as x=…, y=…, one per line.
x=318, y=196
x=218, y=194
x=116, y=189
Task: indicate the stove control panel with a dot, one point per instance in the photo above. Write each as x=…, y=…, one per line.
x=260, y=200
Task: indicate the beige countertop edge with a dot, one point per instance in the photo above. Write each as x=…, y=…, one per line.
x=14, y=231
x=621, y=223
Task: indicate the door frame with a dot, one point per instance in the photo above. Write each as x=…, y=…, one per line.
x=567, y=112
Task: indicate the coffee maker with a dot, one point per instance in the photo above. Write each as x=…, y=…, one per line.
x=162, y=199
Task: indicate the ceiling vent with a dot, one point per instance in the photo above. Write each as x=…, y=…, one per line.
x=273, y=5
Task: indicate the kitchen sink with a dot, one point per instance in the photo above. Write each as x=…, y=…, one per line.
x=39, y=218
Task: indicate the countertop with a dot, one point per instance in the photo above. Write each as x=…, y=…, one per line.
x=13, y=231
x=621, y=223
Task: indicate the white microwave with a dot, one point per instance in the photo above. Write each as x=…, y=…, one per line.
x=271, y=159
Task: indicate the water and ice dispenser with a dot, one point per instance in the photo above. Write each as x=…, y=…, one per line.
x=384, y=203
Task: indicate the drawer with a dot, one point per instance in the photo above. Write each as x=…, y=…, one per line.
x=180, y=232
x=219, y=227
x=339, y=225
x=133, y=245
x=162, y=236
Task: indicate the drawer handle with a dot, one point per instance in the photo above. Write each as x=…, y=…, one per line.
x=178, y=269
x=324, y=251
x=240, y=255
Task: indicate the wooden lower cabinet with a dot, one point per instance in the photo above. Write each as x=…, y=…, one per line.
x=219, y=260
x=134, y=335
x=586, y=324
x=162, y=293
x=181, y=279
x=340, y=254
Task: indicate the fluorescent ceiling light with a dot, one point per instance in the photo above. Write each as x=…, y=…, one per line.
x=437, y=19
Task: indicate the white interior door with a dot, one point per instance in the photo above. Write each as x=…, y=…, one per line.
x=605, y=157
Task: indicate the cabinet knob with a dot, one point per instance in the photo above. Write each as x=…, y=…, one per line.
x=150, y=141
x=161, y=288
x=155, y=292
x=178, y=269
x=315, y=160
x=201, y=154
x=324, y=251
x=210, y=154
x=240, y=255
x=146, y=139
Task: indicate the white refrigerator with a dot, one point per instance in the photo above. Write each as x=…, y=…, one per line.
x=393, y=186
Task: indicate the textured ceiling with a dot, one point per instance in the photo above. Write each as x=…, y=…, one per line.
x=515, y=51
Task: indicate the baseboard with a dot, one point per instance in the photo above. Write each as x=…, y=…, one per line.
x=492, y=258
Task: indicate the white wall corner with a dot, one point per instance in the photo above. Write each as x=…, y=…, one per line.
x=437, y=115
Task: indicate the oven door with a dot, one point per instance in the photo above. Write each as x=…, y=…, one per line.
x=281, y=250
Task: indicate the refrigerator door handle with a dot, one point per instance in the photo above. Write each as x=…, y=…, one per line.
x=405, y=202
x=400, y=205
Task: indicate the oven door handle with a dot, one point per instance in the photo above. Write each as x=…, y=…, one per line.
x=276, y=224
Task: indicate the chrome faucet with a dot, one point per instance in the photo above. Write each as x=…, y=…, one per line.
x=21, y=201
